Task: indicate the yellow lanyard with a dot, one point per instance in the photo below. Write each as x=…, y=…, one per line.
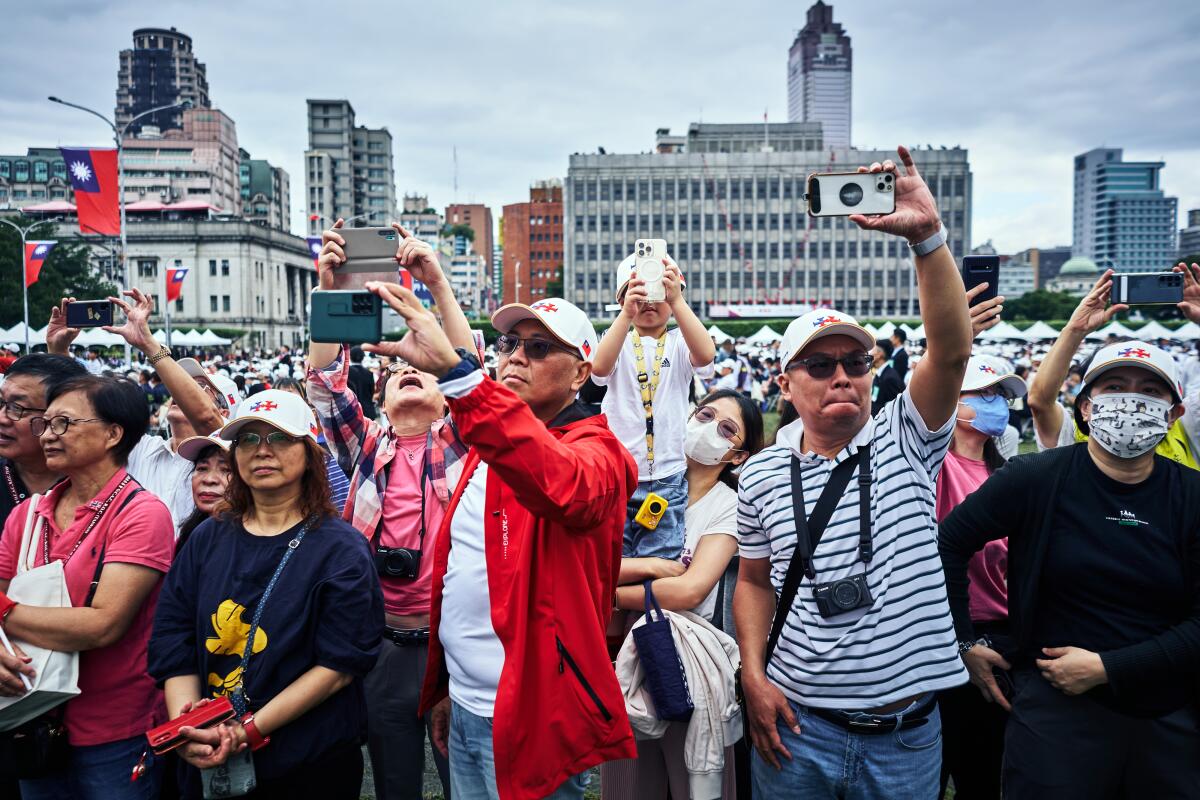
x=648, y=380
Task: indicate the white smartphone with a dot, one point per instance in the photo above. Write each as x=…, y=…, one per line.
x=840, y=194
x=649, y=255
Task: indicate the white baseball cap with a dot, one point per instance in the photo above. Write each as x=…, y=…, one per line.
x=565, y=321
x=625, y=272
x=12, y=347
x=191, y=447
x=985, y=371
x=817, y=324
x=282, y=410
x=225, y=388
x=1135, y=354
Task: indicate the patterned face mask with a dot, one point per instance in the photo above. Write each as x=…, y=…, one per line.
x=1127, y=424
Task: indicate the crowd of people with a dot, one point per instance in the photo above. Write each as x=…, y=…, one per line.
x=567, y=551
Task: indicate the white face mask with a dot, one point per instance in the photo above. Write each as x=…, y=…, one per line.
x=1127, y=424
x=704, y=444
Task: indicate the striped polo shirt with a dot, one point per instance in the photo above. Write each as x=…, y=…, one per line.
x=904, y=644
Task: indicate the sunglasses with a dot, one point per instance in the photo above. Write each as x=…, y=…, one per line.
x=823, y=366
x=727, y=428
x=535, y=349
x=58, y=425
x=251, y=441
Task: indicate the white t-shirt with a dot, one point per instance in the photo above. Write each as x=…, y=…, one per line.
x=474, y=654
x=165, y=474
x=713, y=514
x=623, y=403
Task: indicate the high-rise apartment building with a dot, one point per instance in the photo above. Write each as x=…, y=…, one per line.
x=265, y=191
x=197, y=162
x=1189, y=237
x=348, y=167
x=533, y=245
x=160, y=70
x=819, y=72
x=478, y=218
x=733, y=213
x=421, y=220
x=1122, y=218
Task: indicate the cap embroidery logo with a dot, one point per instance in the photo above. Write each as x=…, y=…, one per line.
x=264, y=405
x=987, y=369
x=821, y=322
x=542, y=305
x=1133, y=352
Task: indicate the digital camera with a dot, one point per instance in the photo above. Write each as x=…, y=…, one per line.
x=839, y=597
x=397, y=562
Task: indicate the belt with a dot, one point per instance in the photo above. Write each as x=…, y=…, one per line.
x=876, y=724
x=406, y=638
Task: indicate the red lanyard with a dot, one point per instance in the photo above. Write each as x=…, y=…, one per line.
x=90, y=526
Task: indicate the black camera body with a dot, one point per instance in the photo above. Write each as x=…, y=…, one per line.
x=397, y=562
x=839, y=597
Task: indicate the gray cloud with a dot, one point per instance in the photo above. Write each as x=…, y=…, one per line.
x=517, y=87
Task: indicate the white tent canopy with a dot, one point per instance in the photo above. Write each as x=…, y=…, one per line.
x=17, y=334
x=885, y=330
x=210, y=338
x=918, y=333
x=1115, y=328
x=718, y=335
x=94, y=337
x=871, y=330
x=1040, y=330
x=1005, y=330
x=1190, y=330
x=1154, y=330
x=764, y=335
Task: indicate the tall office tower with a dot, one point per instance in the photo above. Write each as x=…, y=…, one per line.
x=533, y=245
x=161, y=69
x=1122, y=219
x=819, y=70
x=348, y=169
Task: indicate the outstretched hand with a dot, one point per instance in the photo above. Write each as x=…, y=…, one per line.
x=1093, y=311
x=986, y=315
x=1191, y=290
x=418, y=257
x=136, y=328
x=58, y=335
x=916, y=215
x=426, y=345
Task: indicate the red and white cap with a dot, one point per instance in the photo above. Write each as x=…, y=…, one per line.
x=282, y=410
x=817, y=324
x=985, y=371
x=191, y=447
x=565, y=321
x=1135, y=354
x=225, y=388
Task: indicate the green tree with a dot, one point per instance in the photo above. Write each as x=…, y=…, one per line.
x=554, y=286
x=466, y=231
x=68, y=272
x=1041, y=304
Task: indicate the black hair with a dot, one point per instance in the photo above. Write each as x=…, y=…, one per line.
x=992, y=459
x=118, y=401
x=752, y=429
x=239, y=380
x=356, y=355
x=291, y=385
x=886, y=347
x=900, y=334
x=49, y=368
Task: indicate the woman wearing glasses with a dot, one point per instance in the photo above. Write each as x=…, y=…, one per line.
x=402, y=474
x=115, y=541
x=275, y=605
x=339, y=484
x=725, y=430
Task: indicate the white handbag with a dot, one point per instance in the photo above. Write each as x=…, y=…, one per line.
x=56, y=678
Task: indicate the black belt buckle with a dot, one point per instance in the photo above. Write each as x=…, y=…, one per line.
x=404, y=638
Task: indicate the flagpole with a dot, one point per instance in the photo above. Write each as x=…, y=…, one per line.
x=25, y=269
x=166, y=301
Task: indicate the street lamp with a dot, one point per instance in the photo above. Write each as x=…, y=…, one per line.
x=118, y=138
x=24, y=232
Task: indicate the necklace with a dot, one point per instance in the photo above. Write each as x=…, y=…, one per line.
x=412, y=454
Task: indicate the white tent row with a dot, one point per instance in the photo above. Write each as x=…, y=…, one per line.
x=1005, y=330
x=1040, y=330
x=17, y=334
x=718, y=335
x=764, y=335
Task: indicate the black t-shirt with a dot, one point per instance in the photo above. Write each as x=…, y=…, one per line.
x=326, y=610
x=1114, y=574
x=14, y=490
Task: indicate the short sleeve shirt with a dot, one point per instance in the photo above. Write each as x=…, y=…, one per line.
x=713, y=514
x=165, y=474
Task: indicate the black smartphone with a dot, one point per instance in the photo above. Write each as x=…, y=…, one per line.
x=1148, y=288
x=89, y=313
x=981, y=269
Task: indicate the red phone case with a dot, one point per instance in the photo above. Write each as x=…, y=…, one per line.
x=166, y=737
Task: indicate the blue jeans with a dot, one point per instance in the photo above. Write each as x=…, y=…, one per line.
x=831, y=762
x=473, y=768
x=101, y=772
x=665, y=541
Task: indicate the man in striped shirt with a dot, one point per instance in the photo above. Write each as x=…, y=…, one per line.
x=843, y=707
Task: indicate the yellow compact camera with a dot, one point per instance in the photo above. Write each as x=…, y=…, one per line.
x=653, y=507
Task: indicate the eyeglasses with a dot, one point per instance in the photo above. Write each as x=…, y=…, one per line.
x=397, y=366
x=16, y=411
x=59, y=425
x=727, y=428
x=535, y=349
x=823, y=366
x=250, y=441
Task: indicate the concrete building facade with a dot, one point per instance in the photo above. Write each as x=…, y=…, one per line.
x=534, y=246
x=199, y=161
x=820, y=65
x=348, y=168
x=159, y=70
x=1122, y=219
x=1189, y=237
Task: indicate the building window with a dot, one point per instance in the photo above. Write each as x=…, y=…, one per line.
x=147, y=268
x=225, y=303
x=212, y=303
x=179, y=305
x=224, y=266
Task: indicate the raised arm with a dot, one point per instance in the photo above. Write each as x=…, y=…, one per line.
x=609, y=348
x=699, y=344
x=935, y=388
x=419, y=258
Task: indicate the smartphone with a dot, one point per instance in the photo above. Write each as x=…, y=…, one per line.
x=981, y=269
x=345, y=317
x=839, y=194
x=649, y=255
x=166, y=737
x=89, y=313
x=1147, y=288
x=370, y=256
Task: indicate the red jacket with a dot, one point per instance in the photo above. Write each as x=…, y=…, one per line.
x=552, y=534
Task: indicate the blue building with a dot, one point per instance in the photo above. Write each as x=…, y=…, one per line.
x=1122, y=219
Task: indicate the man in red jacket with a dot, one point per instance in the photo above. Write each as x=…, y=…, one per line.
x=527, y=560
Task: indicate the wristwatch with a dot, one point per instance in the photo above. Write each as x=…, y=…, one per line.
x=965, y=645
x=467, y=364
x=254, y=738
x=163, y=352
x=932, y=243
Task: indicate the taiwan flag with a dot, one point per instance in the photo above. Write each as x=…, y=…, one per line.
x=94, y=178
x=175, y=276
x=314, y=247
x=35, y=256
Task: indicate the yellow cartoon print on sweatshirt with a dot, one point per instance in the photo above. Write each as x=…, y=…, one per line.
x=229, y=639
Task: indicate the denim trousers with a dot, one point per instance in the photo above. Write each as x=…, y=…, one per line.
x=666, y=540
x=472, y=765
x=831, y=762
x=101, y=772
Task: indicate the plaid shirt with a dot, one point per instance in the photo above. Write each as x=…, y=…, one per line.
x=364, y=448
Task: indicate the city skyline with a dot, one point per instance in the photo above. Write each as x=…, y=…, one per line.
x=518, y=94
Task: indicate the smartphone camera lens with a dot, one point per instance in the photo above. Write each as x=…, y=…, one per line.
x=851, y=194
x=888, y=178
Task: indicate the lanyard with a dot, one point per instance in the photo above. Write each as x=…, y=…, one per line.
x=90, y=526
x=17, y=497
x=648, y=381
x=239, y=697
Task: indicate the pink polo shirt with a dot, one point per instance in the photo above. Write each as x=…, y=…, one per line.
x=118, y=699
x=988, y=569
x=402, y=526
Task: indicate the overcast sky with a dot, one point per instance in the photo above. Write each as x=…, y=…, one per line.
x=519, y=86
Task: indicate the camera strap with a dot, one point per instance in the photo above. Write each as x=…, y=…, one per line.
x=809, y=530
